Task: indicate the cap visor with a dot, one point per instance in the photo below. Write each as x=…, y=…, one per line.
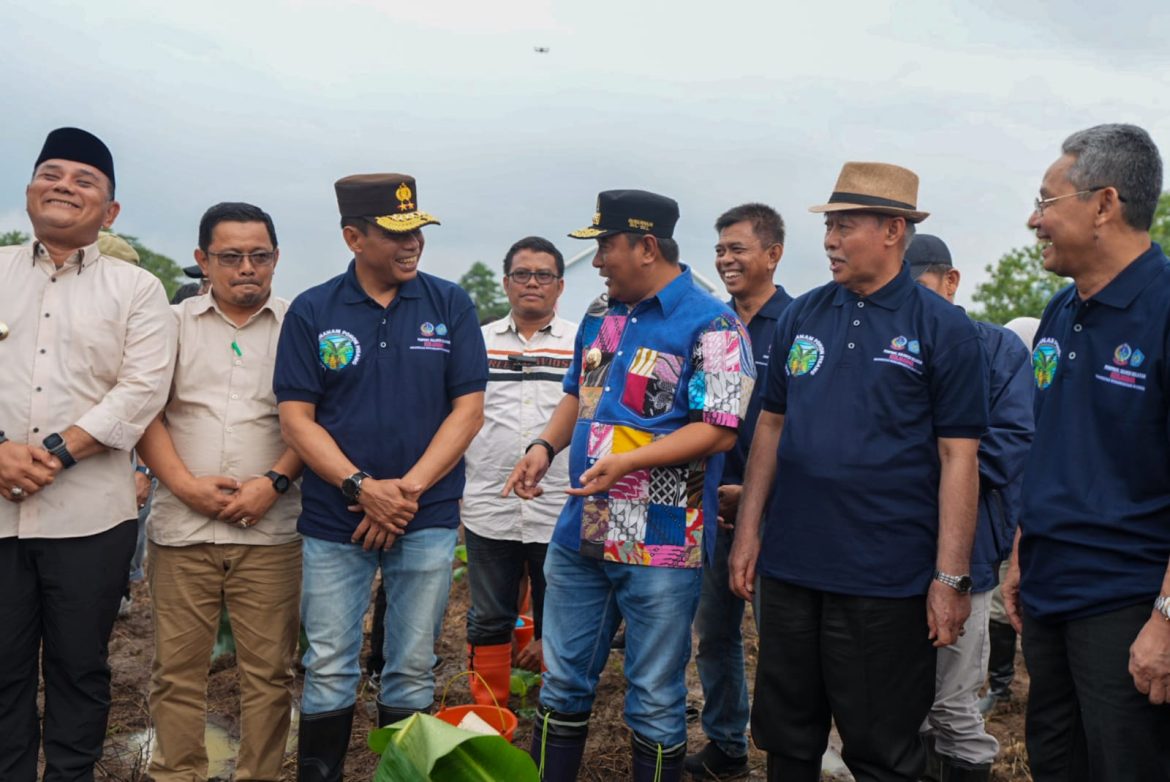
x=194, y=272
x=592, y=232
x=911, y=215
x=404, y=223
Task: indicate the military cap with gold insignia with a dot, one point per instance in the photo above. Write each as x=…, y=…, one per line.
x=389, y=201
x=631, y=212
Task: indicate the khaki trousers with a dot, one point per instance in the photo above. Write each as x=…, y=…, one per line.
x=261, y=587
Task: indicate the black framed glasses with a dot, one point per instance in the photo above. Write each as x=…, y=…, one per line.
x=1040, y=204
x=543, y=276
x=234, y=259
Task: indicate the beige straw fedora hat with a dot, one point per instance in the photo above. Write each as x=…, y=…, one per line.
x=875, y=187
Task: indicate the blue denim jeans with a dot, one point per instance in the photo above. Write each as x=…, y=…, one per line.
x=720, y=659
x=416, y=575
x=584, y=601
x=494, y=569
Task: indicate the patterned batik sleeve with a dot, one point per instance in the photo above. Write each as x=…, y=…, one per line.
x=723, y=373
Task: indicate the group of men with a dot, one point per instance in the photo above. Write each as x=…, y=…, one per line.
x=857, y=462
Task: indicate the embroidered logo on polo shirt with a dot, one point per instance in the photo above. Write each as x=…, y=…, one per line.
x=338, y=349
x=1123, y=370
x=805, y=356
x=1045, y=361
x=433, y=337
x=902, y=352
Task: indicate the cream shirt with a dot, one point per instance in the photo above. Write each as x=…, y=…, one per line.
x=518, y=403
x=222, y=418
x=90, y=344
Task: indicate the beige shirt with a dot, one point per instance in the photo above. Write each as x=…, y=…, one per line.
x=222, y=418
x=90, y=344
x=518, y=404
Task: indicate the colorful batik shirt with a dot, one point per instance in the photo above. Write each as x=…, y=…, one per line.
x=640, y=374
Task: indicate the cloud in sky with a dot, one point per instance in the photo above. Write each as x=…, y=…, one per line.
x=713, y=105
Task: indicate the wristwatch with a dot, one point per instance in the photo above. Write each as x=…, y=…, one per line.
x=279, y=482
x=55, y=444
x=3, y=438
x=546, y=445
x=351, y=487
x=961, y=584
x=1162, y=606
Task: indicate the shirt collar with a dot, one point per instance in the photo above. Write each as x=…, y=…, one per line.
x=773, y=308
x=890, y=296
x=675, y=291
x=553, y=327
x=1133, y=279
x=355, y=294
x=84, y=258
x=207, y=302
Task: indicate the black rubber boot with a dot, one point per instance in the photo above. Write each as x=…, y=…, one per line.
x=558, y=743
x=1001, y=666
x=388, y=716
x=955, y=770
x=653, y=762
x=322, y=741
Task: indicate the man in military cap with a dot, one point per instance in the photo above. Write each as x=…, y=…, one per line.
x=660, y=382
x=867, y=446
x=959, y=747
x=380, y=377
x=87, y=346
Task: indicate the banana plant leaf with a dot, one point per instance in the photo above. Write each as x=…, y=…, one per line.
x=423, y=748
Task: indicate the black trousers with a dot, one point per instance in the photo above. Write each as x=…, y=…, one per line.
x=864, y=662
x=58, y=602
x=1086, y=719
x=494, y=570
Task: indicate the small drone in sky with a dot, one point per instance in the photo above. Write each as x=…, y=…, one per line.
x=540, y=49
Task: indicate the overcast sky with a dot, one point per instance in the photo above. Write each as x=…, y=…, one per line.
x=713, y=104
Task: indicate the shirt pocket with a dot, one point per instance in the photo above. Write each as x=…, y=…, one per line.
x=651, y=383
x=96, y=349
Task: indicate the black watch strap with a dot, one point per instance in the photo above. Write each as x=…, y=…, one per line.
x=552, y=452
x=55, y=444
x=280, y=482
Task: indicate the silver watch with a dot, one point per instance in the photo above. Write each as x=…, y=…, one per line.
x=1162, y=606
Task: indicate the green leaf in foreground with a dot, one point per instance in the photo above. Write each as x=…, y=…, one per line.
x=423, y=748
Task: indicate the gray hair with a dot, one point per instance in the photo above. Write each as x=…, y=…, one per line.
x=1123, y=157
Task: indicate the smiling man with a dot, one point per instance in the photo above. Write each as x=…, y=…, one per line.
x=86, y=346
x=223, y=527
x=1090, y=582
x=865, y=461
x=529, y=351
x=380, y=377
x=751, y=243
x=660, y=382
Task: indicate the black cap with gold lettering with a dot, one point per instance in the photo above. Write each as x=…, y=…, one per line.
x=631, y=212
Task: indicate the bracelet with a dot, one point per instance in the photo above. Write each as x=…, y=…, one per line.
x=552, y=452
x=142, y=468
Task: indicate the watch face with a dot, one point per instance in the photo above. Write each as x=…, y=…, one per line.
x=965, y=584
x=281, y=483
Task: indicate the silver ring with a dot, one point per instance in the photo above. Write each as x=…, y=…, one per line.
x=16, y=491
x=243, y=523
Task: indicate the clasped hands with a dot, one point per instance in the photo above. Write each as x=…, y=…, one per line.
x=388, y=506
x=25, y=470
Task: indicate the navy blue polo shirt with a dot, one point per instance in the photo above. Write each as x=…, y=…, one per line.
x=1003, y=451
x=760, y=329
x=1096, y=506
x=382, y=380
x=867, y=387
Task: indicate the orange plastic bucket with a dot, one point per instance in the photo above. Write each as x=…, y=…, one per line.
x=523, y=633
x=499, y=717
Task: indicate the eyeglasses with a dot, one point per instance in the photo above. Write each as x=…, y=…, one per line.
x=522, y=276
x=1042, y=203
x=231, y=259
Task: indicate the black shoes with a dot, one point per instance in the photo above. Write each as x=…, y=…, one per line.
x=713, y=763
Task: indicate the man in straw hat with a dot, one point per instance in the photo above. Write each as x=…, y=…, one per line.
x=380, y=377
x=660, y=382
x=1089, y=586
x=867, y=444
x=86, y=346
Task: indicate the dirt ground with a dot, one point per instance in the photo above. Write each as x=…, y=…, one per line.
x=607, y=754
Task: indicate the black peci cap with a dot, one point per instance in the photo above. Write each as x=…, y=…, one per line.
x=80, y=146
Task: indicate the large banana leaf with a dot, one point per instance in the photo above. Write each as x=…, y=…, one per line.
x=423, y=748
